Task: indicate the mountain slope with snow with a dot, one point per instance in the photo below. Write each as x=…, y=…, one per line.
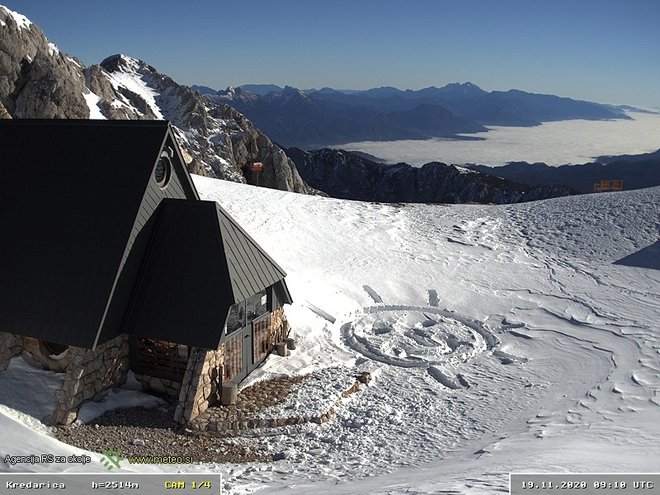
x=39, y=81
x=507, y=338
x=549, y=333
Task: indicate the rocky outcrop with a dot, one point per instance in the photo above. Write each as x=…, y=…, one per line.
x=39, y=81
x=345, y=175
x=36, y=79
x=220, y=141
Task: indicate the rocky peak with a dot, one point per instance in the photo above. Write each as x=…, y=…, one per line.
x=125, y=63
x=221, y=141
x=461, y=90
x=19, y=20
x=234, y=94
x=36, y=80
x=290, y=94
x=39, y=81
x=230, y=93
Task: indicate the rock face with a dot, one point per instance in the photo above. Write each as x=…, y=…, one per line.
x=39, y=81
x=345, y=175
x=36, y=80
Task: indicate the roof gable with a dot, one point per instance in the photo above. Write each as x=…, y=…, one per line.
x=199, y=263
x=181, y=294
x=70, y=193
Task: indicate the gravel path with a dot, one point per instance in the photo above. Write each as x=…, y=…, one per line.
x=151, y=432
x=140, y=431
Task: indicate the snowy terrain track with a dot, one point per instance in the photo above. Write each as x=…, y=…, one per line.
x=417, y=337
x=549, y=359
x=575, y=374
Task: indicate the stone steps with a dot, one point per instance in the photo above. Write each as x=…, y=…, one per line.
x=249, y=411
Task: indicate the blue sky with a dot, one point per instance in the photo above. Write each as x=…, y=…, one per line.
x=606, y=51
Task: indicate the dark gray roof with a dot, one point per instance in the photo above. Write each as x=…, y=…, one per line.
x=72, y=194
x=250, y=267
x=199, y=263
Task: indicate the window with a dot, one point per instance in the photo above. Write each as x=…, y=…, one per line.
x=163, y=172
x=257, y=305
x=236, y=317
x=241, y=314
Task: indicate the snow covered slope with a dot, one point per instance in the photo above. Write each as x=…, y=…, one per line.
x=501, y=338
x=572, y=385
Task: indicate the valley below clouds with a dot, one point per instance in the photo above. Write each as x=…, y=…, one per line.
x=554, y=143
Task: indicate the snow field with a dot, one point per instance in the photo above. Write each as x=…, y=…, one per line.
x=500, y=338
x=538, y=276
x=93, y=101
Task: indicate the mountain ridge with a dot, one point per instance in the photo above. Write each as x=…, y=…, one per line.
x=636, y=172
x=218, y=141
x=318, y=117
x=328, y=117
x=346, y=175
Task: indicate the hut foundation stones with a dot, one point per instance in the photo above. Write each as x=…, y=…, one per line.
x=208, y=371
x=10, y=346
x=91, y=374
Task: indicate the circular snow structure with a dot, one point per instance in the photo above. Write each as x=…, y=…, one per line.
x=417, y=337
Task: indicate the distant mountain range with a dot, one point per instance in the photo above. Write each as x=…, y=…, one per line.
x=218, y=141
x=323, y=117
x=636, y=172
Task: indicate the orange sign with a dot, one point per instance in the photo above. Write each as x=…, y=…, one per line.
x=608, y=185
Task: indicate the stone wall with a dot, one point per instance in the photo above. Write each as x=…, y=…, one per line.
x=91, y=374
x=10, y=346
x=279, y=326
x=201, y=383
x=159, y=365
x=159, y=386
x=232, y=420
x=39, y=353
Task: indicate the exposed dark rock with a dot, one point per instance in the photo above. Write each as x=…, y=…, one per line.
x=342, y=174
x=636, y=172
